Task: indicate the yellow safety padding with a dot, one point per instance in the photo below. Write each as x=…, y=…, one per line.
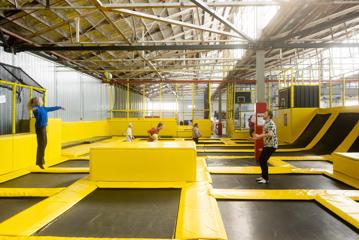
x=37, y=216
x=276, y=162
x=12, y=175
x=261, y=194
x=101, y=184
x=347, y=163
x=205, y=127
x=344, y=178
x=226, y=145
x=29, y=192
x=74, y=131
x=226, y=150
x=62, y=170
x=226, y=157
x=303, y=158
x=240, y=134
x=199, y=216
x=83, y=149
x=349, y=140
x=342, y=206
x=248, y=170
x=202, y=172
x=7, y=150
x=296, y=121
x=118, y=126
x=184, y=131
x=144, y=161
x=344, y=193
x=24, y=151
x=17, y=152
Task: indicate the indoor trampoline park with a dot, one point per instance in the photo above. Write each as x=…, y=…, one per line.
x=179, y=119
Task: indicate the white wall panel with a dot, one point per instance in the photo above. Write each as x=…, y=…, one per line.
x=5, y=57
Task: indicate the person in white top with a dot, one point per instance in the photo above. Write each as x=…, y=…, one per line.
x=129, y=136
x=196, y=134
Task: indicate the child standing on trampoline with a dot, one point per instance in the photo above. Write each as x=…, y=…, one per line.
x=270, y=139
x=129, y=135
x=40, y=113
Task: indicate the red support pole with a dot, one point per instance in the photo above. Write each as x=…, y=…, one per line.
x=261, y=107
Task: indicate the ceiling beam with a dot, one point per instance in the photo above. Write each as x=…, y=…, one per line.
x=149, y=5
x=220, y=18
x=258, y=45
x=171, y=21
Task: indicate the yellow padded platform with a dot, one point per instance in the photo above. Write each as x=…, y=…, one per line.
x=143, y=161
x=347, y=163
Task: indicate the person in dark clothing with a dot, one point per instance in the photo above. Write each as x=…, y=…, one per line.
x=270, y=139
x=251, y=125
x=40, y=113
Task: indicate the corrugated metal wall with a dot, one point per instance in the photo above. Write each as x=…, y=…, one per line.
x=84, y=97
x=136, y=103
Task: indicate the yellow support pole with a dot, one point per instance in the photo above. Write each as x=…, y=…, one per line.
x=330, y=92
x=176, y=114
x=320, y=91
x=292, y=96
x=278, y=82
x=233, y=100
x=209, y=101
x=330, y=83
x=269, y=107
x=144, y=100
x=192, y=102
x=31, y=94
x=45, y=98
x=160, y=100
x=13, y=113
x=343, y=91
x=128, y=101
x=285, y=78
x=111, y=100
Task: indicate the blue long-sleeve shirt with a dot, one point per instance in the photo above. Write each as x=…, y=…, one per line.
x=40, y=113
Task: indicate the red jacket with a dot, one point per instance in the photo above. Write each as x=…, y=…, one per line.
x=151, y=132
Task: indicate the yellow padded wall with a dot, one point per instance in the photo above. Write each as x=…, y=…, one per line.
x=347, y=163
x=204, y=127
x=53, y=149
x=6, y=148
x=24, y=151
x=143, y=161
x=291, y=122
x=118, y=126
x=74, y=131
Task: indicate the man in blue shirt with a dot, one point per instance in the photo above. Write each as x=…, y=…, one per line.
x=40, y=113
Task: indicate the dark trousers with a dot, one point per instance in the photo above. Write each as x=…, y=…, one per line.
x=263, y=160
x=41, y=145
x=195, y=140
